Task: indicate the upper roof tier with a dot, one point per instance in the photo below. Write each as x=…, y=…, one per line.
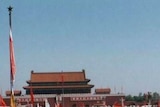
x=57, y=77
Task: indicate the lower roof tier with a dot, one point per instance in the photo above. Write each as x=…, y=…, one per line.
x=58, y=87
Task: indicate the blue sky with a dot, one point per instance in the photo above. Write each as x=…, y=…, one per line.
x=115, y=41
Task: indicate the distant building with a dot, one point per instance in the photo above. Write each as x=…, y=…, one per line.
x=102, y=91
x=16, y=93
x=64, y=89
x=58, y=83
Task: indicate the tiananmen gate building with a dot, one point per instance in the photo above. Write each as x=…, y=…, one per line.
x=63, y=89
x=58, y=83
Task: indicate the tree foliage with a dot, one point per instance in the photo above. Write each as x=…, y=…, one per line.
x=143, y=97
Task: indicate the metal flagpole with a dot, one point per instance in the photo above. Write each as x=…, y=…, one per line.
x=10, y=25
x=62, y=77
x=10, y=11
x=12, y=60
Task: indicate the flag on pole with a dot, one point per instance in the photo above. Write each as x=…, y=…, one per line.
x=32, y=97
x=2, y=102
x=57, y=104
x=117, y=104
x=12, y=58
x=12, y=61
x=158, y=103
x=62, y=78
x=12, y=68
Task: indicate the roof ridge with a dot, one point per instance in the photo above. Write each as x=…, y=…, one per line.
x=57, y=72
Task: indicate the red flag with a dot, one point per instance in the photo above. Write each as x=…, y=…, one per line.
x=2, y=102
x=62, y=78
x=12, y=68
x=12, y=58
x=81, y=104
x=57, y=105
x=116, y=104
x=158, y=103
x=32, y=97
x=12, y=61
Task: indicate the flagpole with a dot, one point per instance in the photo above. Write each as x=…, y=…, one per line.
x=62, y=88
x=10, y=12
x=10, y=26
x=12, y=60
x=11, y=81
x=31, y=95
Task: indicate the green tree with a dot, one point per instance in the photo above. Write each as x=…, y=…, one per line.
x=129, y=98
x=155, y=96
